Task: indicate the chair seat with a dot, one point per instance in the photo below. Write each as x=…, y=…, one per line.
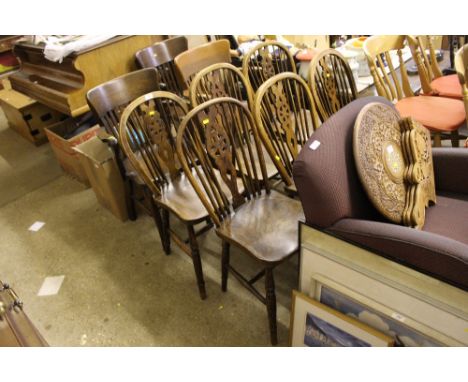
x=449, y=218
x=436, y=113
x=448, y=86
x=265, y=227
x=181, y=199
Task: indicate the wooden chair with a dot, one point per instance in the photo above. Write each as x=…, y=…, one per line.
x=432, y=81
x=161, y=57
x=286, y=118
x=332, y=83
x=266, y=60
x=440, y=115
x=148, y=131
x=189, y=63
x=461, y=66
x=220, y=80
x=261, y=222
x=107, y=101
x=225, y=80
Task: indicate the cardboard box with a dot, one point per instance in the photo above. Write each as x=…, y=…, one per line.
x=63, y=136
x=98, y=160
x=27, y=116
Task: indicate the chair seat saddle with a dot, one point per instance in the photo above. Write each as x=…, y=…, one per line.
x=273, y=220
x=447, y=86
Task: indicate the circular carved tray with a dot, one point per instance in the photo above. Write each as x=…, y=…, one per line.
x=380, y=160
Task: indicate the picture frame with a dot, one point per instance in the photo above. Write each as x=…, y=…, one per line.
x=404, y=330
x=317, y=325
x=430, y=307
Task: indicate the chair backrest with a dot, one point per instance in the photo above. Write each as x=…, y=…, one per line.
x=108, y=100
x=190, y=62
x=428, y=68
x=148, y=129
x=461, y=66
x=161, y=56
x=286, y=118
x=220, y=80
x=266, y=60
x=325, y=173
x=332, y=82
x=384, y=53
x=215, y=137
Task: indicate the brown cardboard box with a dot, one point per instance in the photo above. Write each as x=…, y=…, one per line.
x=101, y=168
x=27, y=116
x=63, y=136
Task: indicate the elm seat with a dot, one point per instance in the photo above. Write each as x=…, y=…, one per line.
x=447, y=86
x=335, y=201
x=450, y=115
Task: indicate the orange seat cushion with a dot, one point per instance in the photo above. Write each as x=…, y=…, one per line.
x=448, y=86
x=435, y=113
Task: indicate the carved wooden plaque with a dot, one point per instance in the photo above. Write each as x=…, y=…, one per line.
x=379, y=158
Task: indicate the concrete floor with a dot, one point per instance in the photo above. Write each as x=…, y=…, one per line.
x=119, y=287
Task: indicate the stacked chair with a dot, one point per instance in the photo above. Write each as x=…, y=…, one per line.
x=440, y=115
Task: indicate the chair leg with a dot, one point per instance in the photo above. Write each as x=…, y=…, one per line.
x=167, y=231
x=197, y=265
x=156, y=212
x=129, y=199
x=271, y=304
x=225, y=265
x=437, y=140
x=455, y=138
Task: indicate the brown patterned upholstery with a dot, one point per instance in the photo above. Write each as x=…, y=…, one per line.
x=334, y=201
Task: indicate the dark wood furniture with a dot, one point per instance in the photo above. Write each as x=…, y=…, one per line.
x=107, y=101
x=261, y=222
x=286, y=117
x=266, y=60
x=331, y=82
x=161, y=57
x=220, y=80
x=63, y=86
x=147, y=130
x=189, y=63
x=440, y=115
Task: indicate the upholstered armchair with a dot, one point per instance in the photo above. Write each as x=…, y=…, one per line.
x=335, y=202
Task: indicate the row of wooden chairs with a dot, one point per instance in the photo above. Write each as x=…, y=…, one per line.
x=146, y=135
x=205, y=164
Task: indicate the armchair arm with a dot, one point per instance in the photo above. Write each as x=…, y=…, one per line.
x=451, y=169
x=430, y=253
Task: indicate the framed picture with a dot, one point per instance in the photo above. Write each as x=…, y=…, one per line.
x=400, y=328
x=414, y=308
x=317, y=325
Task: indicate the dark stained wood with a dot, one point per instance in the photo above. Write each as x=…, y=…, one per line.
x=286, y=118
x=332, y=83
x=148, y=128
x=221, y=135
x=189, y=63
x=161, y=57
x=63, y=86
x=266, y=60
x=107, y=101
x=220, y=80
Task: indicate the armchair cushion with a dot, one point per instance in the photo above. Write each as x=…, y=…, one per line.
x=451, y=169
x=431, y=253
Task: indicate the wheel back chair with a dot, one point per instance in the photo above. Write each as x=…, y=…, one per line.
x=331, y=82
x=286, y=118
x=221, y=134
x=266, y=60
